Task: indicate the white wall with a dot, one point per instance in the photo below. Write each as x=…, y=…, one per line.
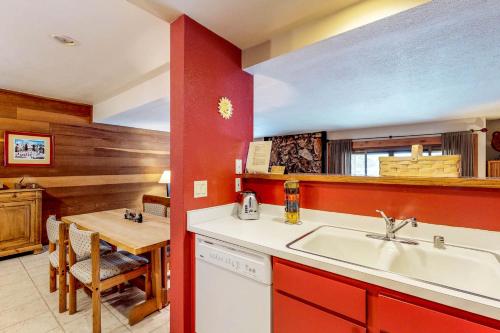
x=423, y=128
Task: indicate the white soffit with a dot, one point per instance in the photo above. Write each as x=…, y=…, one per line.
x=436, y=61
x=246, y=23
x=145, y=105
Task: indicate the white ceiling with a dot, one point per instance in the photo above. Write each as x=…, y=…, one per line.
x=154, y=115
x=247, y=22
x=436, y=61
x=119, y=44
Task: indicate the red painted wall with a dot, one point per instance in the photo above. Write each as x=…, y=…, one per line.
x=462, y=207
x=204, y=146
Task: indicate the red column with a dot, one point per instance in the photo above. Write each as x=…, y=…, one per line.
x=204, y=67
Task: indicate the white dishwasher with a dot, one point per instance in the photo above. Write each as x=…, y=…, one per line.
x=233, y=288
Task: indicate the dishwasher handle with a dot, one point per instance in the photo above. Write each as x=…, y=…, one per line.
x=245, y=262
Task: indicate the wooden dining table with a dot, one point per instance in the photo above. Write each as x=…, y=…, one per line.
x=150, y=236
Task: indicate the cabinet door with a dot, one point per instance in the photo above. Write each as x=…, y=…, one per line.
x=15, y=224
x=400, y=317
x=293, y=316
x=339, y=297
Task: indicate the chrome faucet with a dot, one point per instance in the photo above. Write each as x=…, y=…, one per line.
x=391, y=228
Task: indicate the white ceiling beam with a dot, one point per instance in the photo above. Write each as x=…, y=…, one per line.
x=314, y=31
x=150, y=90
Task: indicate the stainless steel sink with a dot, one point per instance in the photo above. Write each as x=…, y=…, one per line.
x=453, y=267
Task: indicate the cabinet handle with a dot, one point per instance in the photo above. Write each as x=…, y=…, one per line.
x=14, y=195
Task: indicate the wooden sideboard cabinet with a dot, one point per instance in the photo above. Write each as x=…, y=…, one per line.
x=20, y=221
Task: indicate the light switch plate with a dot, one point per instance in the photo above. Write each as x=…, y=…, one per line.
x=239, y=167
x=237, y=184
x=200, y=188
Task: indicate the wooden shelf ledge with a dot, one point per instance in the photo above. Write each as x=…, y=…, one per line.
x=414, y=181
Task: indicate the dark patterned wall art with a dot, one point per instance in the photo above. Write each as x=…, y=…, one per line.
x=299, y=153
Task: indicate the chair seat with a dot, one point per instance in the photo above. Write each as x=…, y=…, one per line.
x=54, y=256
x=112, y=264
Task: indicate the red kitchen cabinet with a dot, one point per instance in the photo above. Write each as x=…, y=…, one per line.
x=339, y=297
x=311, y=300
x=397, y=316
x=293, y=316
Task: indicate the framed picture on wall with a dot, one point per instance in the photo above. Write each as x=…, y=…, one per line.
x=28, y=149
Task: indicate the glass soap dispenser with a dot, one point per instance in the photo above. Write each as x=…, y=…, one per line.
x=292, y=207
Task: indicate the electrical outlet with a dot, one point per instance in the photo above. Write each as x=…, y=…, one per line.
x=200, y=188
x=239, y=167
x=237, y=184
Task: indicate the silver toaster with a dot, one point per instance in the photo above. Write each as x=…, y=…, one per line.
x=248, y=208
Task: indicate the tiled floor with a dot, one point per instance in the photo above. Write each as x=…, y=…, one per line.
x=26, y=305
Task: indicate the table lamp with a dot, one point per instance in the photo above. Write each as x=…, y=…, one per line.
x=165, y=179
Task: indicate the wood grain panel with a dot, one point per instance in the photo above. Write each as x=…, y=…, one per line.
x=69, y=181
x=8, y=111
x=412, y=181
x=96, y=167
x=8, y=124
x=51, y=117
x=396, y=143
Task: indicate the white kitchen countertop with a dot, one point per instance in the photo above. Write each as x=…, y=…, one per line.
x=270, y=235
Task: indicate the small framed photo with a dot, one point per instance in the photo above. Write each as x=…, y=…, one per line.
x=28, y=149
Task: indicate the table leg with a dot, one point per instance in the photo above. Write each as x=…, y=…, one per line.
x=156, y=277
x=154, y=304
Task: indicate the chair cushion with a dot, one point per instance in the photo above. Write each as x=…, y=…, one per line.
x=112, y=264
x=53, y=229
x=155, y=209
x=54, y=256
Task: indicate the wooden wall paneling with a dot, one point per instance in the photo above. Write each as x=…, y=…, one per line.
x=71, y=181
x=8, y=110
x=50, y=117
x=28, y=101
x=8, y=124
x=394, y=143
x=97, y=166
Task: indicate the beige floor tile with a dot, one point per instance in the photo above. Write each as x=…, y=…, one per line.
x=22, y=312
x=152, y=322
x=12, y=269
x=6, y=292
x=41, y=281
x=120, y=304
x=38, y=267
x=19, y=298
x=26, y=301
x=162, y=329
x=83, y=324
x=9, y=263
x=56, y=330
x=9, y=279
x=65, y=318
x=121, y=329
x=40, y=324
x=34, y=258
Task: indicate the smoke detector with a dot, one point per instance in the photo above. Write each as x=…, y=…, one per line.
x=65, y=40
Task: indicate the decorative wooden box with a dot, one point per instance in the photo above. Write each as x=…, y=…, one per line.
x=493, y=168
x=420, y=166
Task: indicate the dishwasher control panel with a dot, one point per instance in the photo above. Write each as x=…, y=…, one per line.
x=251, y=264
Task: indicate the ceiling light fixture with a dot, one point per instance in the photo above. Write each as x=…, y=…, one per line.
x=65, y=40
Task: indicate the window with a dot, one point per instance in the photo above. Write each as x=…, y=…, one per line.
x=358, y=166
x=366, y=163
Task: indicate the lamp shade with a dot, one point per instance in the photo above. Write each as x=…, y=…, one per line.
x=165, y=177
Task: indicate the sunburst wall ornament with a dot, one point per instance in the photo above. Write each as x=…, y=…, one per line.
x=225, y=108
